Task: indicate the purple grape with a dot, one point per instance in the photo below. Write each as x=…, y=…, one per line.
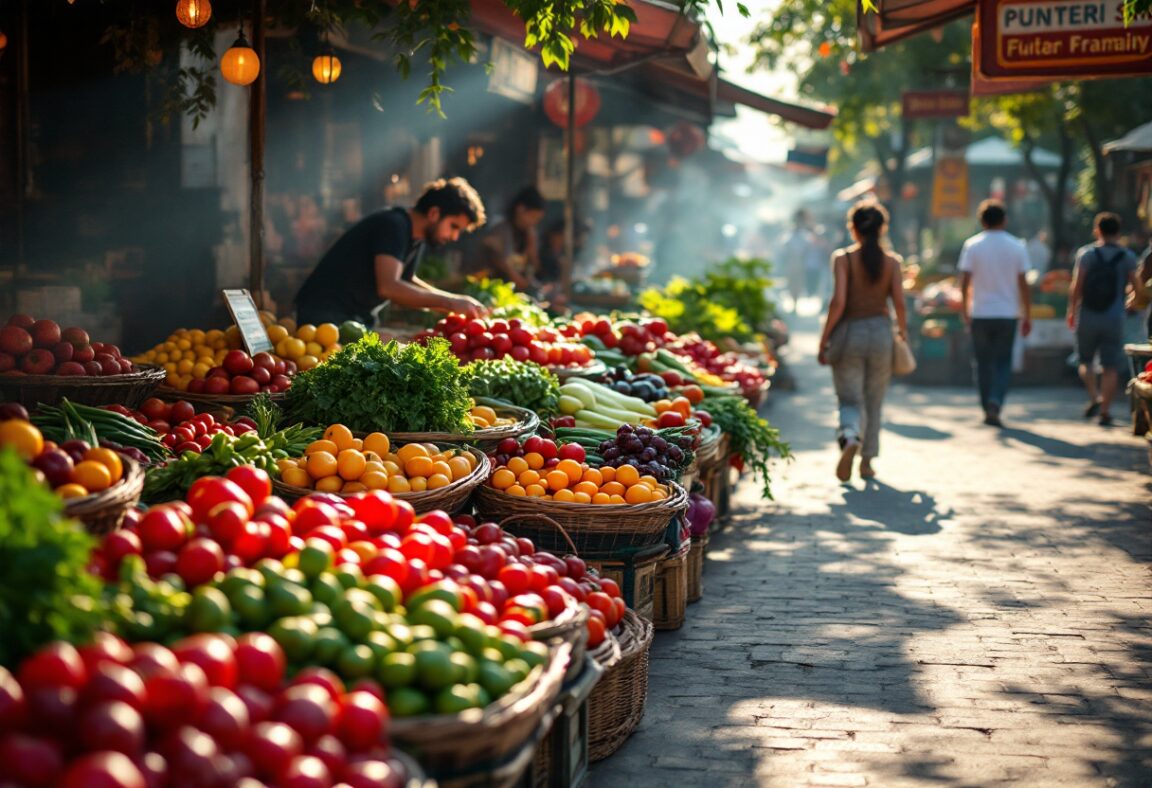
x=611, y=453
x=675, y=454
x=659, y=444
x=648, y=455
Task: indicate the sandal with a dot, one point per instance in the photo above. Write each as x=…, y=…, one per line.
x=1092, y=409
x=847, y=455
x=866, y=470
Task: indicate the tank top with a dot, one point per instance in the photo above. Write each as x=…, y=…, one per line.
x=865, y=297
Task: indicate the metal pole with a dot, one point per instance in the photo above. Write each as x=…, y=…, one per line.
x=256, y=124
x=570, y=196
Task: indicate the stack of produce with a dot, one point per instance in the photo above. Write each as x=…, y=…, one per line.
x=476, y=340
x=40, y=347
x=71, y=422
x=180, y=428
x=74, y=469
x=520, y=383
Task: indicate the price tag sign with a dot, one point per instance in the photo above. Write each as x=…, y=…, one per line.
x=247, y=319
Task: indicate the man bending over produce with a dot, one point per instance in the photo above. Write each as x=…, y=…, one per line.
x=376, y=260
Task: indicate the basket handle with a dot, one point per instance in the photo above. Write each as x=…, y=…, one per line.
x=544, y=519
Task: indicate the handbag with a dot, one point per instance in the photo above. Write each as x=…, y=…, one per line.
x=903, y=362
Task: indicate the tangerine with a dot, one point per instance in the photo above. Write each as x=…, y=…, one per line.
x=23, y=437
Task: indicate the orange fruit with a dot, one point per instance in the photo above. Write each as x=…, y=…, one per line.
x=350, y=464
x=297, y=477
x=517, y=465
x=516, y=490
x=588, y=488
x=411, y=450
x=616, y=499
x=535, y=460
x=535, y=491
x=378, y=443
x=398, y=484
x=322, y=445
x=374, y=480
x=594, y=476
x=582, y=497
x=431, y=448
x=607, y=473
x=438, y=480
x=601, y=498
x=573, y=469
x=330, y=484
x=340, y=435
x=23, y=437
x=638, y=493
x=613, y=488
x=327, y=334
x=627, y=475
x=460, y=467
x=392, y=468
x=503, y=479
x=93, y=476
x=71, y=490
x=441, y=467
x=418, y=483
x=109, y=459
x=374, y=465
x=418, y=467
x=484, y=412
x=565, y=496
x=285, y=464
x=322, y=464
x=528, y=477
x=650, y=481
x=353, y=487
x=557, y=480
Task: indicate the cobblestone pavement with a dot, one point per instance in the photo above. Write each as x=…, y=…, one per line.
x=978, y=616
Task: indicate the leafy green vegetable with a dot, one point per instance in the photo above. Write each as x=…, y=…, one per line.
x=46, y=591
x=369, y=386
x=521, y=383
x=503, y=302
x=752, y=437
x=729, y=300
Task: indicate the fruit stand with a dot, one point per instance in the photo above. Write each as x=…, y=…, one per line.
x=350, y=559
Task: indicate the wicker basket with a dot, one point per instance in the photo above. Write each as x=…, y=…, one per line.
x=527, y=422
x=617, y=704
x=129, y=389
x=689, y=475
x=450, y=499
x=475, y=747
x=708, y=452
x=696, y=568
x=635, y=571
x=225, y=405
x=104, y=511
x=416, y=776
x=595, y=530
x=670, y=602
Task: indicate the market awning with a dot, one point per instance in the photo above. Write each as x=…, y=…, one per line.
x=896, y=20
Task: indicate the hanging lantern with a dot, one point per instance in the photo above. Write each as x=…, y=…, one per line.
x=193, y=13
x=240, y=65
x=556, y=102
x=3, y=40
x=326, y=67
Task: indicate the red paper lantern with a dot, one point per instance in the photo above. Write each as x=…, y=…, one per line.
x=556, y=102
x=685, y=139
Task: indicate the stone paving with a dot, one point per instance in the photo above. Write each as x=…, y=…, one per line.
x=980, y=615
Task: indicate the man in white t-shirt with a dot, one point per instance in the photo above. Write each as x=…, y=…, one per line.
x=992, y=268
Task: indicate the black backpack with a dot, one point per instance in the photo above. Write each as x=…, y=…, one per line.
x=1100, y=283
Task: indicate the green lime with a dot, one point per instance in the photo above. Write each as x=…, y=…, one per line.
x=251, y=606
x=270, y=568
x=321, y=614
x=518, y=668
x=351, y=331
x=401, y=633
x=238, y=579
x=141, y=625
x=422, y=632
x=297, y=636
x=386, y=590
x=495, y=678
x=408, y=702
x=349, y=576
x=355, y=662
x=327, y=589
x=381, y=644
x=294, y=576
x=396, y=670
x=457, y=698
x=535, y=653
x=315, y=558
x=492, y=655
x=354, y=619
x=208, y=611
x=287, y=599
x=435, y=669
x=330, y=643
x=467, y=667
x=435, y=591
x=437, y=614
x=509, y=647
x=359, y=595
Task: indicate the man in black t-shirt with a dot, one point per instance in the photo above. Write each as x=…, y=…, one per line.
x=376, y=260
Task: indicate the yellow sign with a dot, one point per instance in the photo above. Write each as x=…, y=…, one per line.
x=950, y=188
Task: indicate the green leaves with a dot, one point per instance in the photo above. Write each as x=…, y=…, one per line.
x=46, y=591
x=370, y=386
x=729, y=300
x=522, y=383
x=752, y=437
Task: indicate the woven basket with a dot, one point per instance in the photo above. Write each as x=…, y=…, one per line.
x=617, y=704
x=594, y=530
x=103, y=512
x=671, y=597
x=708, y=452
x=696, y=568
x=689, y=475
x=217, y=404
x=129, y=389
x=527, y=422
x=470, y=748
x=416, y=776
x=450, y=499
x=608, y=653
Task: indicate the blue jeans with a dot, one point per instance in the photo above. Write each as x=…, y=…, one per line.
x=992, y=340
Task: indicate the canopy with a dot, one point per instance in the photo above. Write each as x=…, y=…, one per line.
x=1139, y=139
x=896, y=20
x=989, y=152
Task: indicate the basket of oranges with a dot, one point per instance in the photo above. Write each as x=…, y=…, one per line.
x=603, y=510
x=427, y=475
x=494, y=421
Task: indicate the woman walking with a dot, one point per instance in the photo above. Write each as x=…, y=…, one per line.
x=857, y=337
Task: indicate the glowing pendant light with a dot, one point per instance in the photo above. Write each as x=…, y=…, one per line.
x=193, y=13
x=240, y=65
x=326, y=67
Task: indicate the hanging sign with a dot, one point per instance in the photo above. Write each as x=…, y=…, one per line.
x=513, y=73
x=950, y=188
x=934, y=104
x=1062, y=39
x=247, y=319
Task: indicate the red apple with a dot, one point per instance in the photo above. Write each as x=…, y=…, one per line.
x=217, y=385
x=109, y=366
x=45, y=333
x=22, y=321
x=7, y=362
x=83, y=353
x=63, y=351
x=38, y=362
x=77, y=336
x=71, y=368
x=15, y=340
x=126, y=366
x=112, y=350
x=93, y=368
x=237, y=362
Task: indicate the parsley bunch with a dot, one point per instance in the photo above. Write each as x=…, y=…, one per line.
x=46, y=590
x=370, y=386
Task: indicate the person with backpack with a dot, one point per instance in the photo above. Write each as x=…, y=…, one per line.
x=995, y=296
x=1103, y=272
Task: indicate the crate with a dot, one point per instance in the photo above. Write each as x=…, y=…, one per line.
x=717, y=481
x=635, y=573
x=696, y=568
x=562, y=756
x=670, y=597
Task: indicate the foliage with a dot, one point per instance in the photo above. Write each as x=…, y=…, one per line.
x=370, y=386
x=46, y=591
x=504, y=302
x=730, y=300
x=752, y=437
x=520, y=383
